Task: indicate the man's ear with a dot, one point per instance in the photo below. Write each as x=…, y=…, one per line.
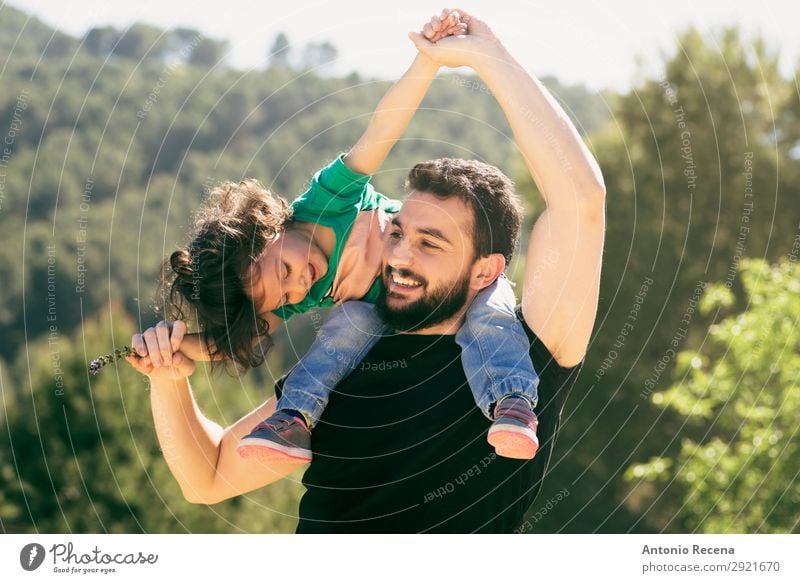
x=486, y=270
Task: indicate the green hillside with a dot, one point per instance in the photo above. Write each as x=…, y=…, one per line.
x=110, y=141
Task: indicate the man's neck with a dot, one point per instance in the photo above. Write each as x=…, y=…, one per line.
x=449, y=326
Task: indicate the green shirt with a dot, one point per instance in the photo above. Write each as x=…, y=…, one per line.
x=335, y=197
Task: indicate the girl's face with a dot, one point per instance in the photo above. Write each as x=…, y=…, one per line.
x=286, y=270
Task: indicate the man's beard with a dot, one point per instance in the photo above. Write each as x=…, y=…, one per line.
x=434, y=307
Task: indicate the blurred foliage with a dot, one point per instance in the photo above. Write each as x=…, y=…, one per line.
x=82, y=454
x=700, y=167
x=736, y=470
x=110, y=142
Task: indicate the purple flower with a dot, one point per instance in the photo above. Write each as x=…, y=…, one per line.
x=98, y=363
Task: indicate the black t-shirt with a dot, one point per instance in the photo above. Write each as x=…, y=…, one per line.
x=401, y=446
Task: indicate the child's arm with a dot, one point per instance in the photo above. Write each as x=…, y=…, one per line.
x=193, y=346
x=388, y=123
x=395, y=110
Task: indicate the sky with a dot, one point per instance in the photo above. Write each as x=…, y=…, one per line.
x=603, y=44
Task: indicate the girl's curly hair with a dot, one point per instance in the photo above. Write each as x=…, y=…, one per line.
x=205, y=281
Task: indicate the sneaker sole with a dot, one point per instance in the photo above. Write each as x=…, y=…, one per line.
x=513, y=444
x=267, y=451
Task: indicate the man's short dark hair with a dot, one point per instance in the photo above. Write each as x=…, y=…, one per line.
x=497, y=211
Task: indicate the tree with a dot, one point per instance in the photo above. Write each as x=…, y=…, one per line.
x=208, y=52
x=84, y=455
x=280, y=51
x=101, y=40
x=182, y=41
x=736, y=471
x=142, y=41
x=318, y=55
x=682, y=210
x=60, y=45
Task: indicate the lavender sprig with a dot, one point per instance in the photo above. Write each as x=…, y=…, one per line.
x=98, y=363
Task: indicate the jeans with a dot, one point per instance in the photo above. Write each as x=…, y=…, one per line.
x=494, y=353
x=495, y=350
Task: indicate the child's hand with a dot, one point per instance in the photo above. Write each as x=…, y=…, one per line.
x=448, y=23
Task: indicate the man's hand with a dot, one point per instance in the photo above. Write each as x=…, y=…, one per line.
x=158, y=349
x=448, y=23
x=473, y=41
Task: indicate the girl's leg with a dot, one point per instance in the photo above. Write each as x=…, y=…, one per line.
x=495, y=353
x=495, y=349
x=346, y=336
x=348, y=333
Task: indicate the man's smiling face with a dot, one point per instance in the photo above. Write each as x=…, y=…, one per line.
x=427, y=263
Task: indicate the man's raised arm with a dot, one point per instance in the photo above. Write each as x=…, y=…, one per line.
x=562, y=270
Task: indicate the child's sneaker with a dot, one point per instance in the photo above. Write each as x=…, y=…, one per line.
x=282, y=437
x=513, y=432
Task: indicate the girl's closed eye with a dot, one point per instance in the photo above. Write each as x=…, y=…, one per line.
x=287, y=271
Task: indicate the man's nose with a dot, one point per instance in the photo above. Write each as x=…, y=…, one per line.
x=399, y=254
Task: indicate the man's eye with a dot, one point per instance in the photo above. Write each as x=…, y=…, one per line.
x=429, y=245
x=395, y=235
x=287, y=270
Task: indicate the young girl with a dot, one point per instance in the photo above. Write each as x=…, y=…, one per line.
x=254, y=262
